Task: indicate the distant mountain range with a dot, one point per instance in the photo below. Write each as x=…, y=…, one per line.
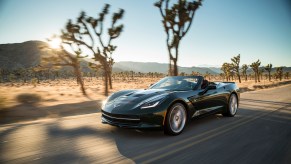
x=20, y=55
x=145, y=67
x=28, y=54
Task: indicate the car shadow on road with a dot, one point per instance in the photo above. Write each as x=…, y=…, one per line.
x=59, y=141
x=69, y=143
x=33, y=111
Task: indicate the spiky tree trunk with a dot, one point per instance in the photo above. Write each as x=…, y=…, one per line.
x=258, y=75
x=110, y=66
x=279, y=72
x=175, y=69
x=244, y=71
x=105, y=76
x=106, y=83
x=287, y=75
x=255, y=67
x=268, y=68
x=110, y=80
x=177, y=21
x=79, y=78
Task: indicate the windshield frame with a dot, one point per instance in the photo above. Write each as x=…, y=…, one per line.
x=199, y=80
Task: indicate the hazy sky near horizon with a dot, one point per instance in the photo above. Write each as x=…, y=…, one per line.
x=256, y=29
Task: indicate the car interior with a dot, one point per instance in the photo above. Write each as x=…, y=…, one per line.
x=204, y=84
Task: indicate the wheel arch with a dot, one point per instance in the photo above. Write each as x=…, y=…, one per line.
x=188, y=112
x=237, y=97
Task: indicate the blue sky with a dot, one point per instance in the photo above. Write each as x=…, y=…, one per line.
x=256, y=29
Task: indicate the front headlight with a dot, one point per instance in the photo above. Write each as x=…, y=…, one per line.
x=152, y=102
x=104, y=103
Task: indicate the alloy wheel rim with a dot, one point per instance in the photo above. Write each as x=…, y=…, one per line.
x=177, y=119
x=233, y=104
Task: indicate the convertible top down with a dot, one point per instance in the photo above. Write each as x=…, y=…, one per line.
x=170, y=103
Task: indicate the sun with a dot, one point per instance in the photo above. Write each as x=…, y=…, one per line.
x=55, y=43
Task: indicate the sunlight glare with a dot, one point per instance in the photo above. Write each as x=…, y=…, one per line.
x=55, y=43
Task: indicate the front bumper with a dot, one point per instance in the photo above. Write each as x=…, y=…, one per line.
x=153, y=120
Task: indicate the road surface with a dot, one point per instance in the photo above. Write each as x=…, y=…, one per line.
x=259, y=133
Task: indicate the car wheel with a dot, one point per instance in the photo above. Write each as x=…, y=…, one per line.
x=232, y=106
x=175, y=120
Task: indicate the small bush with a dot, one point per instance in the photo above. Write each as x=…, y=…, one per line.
x=12, y=77
x=28, y=98
x=259, y=86
x=34, y=82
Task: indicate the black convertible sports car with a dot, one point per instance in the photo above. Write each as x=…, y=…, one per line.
x=170, y=103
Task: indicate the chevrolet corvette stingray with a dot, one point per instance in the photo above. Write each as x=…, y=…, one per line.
x=170, y=103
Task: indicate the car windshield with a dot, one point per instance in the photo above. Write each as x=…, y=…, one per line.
x=176, y=83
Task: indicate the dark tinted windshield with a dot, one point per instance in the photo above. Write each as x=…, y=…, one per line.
x=176, y=83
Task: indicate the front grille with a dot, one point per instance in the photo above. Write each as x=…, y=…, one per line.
x=121, y=119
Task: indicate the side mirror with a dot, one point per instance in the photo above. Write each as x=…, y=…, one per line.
x=209, y=87
x=151, y=84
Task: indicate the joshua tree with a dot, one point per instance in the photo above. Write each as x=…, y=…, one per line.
x=177, y=21
x=244, y=71
x=65, y=58
x=268, y=68
x=221, y=76
x=110, y=65
x=255, y=66
x=235, y=63
x=279, y=72
x=287, y=75
x=226, y=67
x=87, y=35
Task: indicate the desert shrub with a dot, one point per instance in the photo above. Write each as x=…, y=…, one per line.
x=12, y=77
x=34, y=82
x=28, y=98
x=259, y=86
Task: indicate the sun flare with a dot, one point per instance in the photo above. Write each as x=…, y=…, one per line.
x=55, y=43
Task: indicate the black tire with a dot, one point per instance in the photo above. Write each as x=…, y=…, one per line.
x=232, y=106
x=176, y=119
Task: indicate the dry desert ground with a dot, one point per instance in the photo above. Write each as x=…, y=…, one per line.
x=59, y=98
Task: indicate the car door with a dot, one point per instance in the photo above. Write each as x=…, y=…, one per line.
x=207, y=101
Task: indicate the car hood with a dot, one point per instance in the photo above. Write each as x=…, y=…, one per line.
x=130, y=100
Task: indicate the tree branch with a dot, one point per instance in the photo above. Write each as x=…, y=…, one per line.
x=196, y=6
x=89, y=33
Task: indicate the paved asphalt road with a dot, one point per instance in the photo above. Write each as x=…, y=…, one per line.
x=259, y=133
